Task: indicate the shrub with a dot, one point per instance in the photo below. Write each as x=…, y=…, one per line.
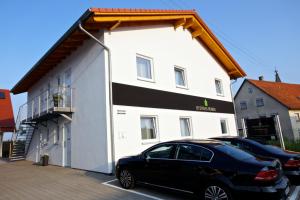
x=290, y=145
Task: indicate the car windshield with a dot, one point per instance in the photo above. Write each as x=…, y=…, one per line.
x=234, y=152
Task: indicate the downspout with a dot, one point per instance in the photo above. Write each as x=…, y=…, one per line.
x=234, y=108
x=110, y=93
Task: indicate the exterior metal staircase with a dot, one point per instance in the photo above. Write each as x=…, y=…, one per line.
x=49, y=105
x=22, y=141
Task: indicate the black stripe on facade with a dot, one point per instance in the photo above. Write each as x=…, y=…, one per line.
x=128, y=95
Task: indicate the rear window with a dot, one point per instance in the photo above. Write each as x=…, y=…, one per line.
x=2, y=95
x=275, y=149
x=234, y=152
x=268, y=148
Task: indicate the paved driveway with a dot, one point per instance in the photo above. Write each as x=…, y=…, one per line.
x=24, y=181
x=2, y=161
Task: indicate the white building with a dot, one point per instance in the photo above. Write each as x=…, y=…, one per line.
x=162, y=76
x=259, y=99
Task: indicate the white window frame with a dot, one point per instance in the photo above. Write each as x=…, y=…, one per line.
x=154, y=140
x=222, y=89
x=152, y=69
x=185, y=86
x=226, y=123
x=189, y=124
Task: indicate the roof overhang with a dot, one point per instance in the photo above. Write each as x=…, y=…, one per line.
x=95, y=19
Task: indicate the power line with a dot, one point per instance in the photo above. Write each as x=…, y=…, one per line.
x=241, y=50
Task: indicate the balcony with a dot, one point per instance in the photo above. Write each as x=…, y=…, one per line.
x=48, y=105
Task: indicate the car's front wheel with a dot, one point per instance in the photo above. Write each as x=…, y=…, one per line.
x=216, y=192
x=126, y=179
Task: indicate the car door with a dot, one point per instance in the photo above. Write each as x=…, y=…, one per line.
x=158, y=164
x=194, y=166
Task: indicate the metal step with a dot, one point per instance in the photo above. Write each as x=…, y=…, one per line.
x=16, y=159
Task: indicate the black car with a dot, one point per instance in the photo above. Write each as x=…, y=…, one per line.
x=208, y=168
x=290, y=161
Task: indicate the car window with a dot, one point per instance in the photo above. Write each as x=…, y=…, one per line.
x=164, y=152
x=234, y=152
x=244, y=146
x=191, y=152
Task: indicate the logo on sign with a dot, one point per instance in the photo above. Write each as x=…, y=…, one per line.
x=206, y=107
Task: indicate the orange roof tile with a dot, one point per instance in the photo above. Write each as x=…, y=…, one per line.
x=7, y=122
x=285, y=93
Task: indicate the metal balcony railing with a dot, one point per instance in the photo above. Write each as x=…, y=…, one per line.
x=58, y=99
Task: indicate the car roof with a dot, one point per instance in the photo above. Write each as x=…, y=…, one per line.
x=227, y=137
x=204, y=142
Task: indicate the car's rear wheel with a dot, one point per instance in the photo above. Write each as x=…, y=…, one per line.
x=126, y=179
x=216, y=192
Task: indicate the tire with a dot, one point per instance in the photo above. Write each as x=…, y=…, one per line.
x=216, y=191
x=126, y=179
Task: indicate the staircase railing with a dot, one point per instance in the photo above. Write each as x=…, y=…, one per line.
x=45, y=102
x=60, y=97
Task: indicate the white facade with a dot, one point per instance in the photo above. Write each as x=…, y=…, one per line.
x=90, y=142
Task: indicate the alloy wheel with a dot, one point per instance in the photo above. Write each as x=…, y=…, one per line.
x=215, y=193
x=126, y=179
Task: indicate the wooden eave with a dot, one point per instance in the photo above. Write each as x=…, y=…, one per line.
x=110, y=19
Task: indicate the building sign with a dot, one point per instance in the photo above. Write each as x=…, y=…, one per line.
x=205, y=107
x=128, y=95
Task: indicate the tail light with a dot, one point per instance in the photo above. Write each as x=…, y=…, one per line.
x=266, y=174
x=292, y=163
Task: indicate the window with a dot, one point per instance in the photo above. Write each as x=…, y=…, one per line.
x=259, y=102
x=191, y=152
x=297, y=117
x=144, y=68
x=185, y=126
x=148, y=128
x=180, y=77
x=2, y=95
x=164, y=152
x=243, y=105
x=219, y=87
x=234, y=152
x=224, y=126
x=250, y=90
x=46, y=140
x=56, y=135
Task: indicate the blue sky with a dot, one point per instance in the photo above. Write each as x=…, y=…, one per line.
x=260, y=34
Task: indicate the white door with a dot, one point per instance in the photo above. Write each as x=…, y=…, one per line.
x=67, y=144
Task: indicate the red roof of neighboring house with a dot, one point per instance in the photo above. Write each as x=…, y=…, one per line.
x=109, y=19
x=7, y=121
x=285, y=93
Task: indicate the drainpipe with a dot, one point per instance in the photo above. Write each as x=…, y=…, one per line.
x=234, y=109
x=110, y=93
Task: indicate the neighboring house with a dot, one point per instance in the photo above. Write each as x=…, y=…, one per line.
x=7, y=121
x=259, y=98
x=162, y=75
